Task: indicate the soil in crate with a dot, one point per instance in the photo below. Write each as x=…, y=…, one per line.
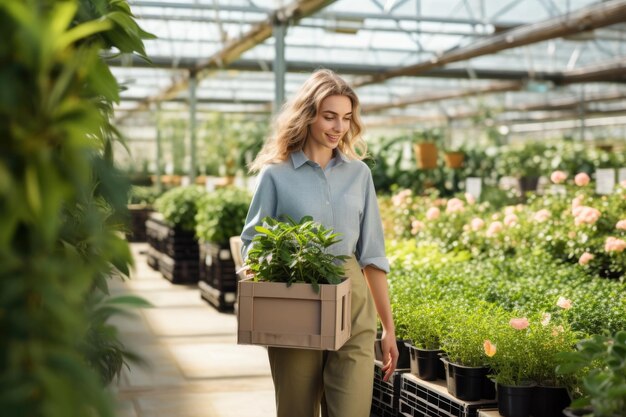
x=419, y=398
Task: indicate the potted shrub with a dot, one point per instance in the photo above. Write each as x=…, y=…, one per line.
x=601, y=360
x=426, y=324
x=425, y=147
x=297, y=296
x=466, y=362
x=513, y=362
x=140, y=202
x=173, y=231
x=220, y=215
x=454, y=158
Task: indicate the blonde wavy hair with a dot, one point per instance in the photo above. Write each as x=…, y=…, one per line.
x=291, y=127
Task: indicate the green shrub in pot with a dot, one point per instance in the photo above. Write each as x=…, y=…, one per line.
x=221, y=214
x=178, y=206
x=427, y=323
x=295, y=252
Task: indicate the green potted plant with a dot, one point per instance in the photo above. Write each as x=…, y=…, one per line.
x=290, y=265
x=426, y=325
x=601, y=360
x=140, y=202
x=466, y=361
x=220, y=215
x=171, y=234
x=425, y=147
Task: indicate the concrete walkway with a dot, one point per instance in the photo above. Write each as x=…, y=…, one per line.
x=196, y=368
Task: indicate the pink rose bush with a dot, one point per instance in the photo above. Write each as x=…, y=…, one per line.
x=621, y=225
x=519, y=323
x=433, y=213
x=614, y=244
x=542, y=215
x=455, y=205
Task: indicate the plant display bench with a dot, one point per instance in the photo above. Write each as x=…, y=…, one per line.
x=272, y=314
x=218, y=276
x=139, y=214
x=419, y=398
x=174, y=250
x=488, y=413
x=386, y=395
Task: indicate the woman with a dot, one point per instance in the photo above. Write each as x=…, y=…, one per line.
x=312, y=166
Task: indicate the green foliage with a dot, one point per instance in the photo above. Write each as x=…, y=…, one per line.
x=470, y=325
x=179, y=206
x=221, y=214
x=143, y=195
x=62, y=204
x=530, y=354
x=293, y=252
x=428, y=323
x=602, y=360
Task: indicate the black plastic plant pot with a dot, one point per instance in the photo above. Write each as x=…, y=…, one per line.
x=549, y=401
x=515, y=401
x=467, y=383
x=579, y=412
x=426, y=364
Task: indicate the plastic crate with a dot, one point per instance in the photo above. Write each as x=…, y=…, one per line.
x=386, y=395
x=420, y=398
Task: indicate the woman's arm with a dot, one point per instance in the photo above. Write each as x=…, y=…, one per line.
x=377, y=282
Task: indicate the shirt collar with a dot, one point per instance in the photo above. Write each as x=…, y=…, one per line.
x=299, y=158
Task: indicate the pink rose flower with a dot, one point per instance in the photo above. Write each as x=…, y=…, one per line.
x=477, y=223
x=433, y=213
x=490, y=348
x=622, y=183
x=613, y=244
x=586, y=215
x=416, y=226
x=564, y=303
x=571, y=234
x=581, y=179
x=545, y=318
x=519, y=323
x=558, y=177
x=621, y=225
x=401, y=197
x=510, y=220
x=509, y=210
x=494, y=229
x=542, y=215
x=577, y=202
x=585, y=258
x=470, y=199
x=455, y=205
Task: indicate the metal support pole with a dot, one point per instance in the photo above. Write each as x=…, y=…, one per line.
x=159, y=154
x=193, y=83
x=279, y=30
x=582, y=113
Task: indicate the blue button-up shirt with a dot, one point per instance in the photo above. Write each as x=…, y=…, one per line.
x=341, y=197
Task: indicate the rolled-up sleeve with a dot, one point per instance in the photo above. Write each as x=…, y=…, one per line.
x=370, y=247
x=263, y=204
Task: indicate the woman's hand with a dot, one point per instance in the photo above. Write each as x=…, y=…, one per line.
x=377, y=281
x=390, y=353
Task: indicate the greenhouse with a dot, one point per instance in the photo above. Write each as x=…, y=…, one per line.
x=295, y=208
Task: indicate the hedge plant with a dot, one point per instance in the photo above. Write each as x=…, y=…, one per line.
x=179, y=206
x=221, y=214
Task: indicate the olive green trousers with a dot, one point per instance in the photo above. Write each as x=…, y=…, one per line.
x=339, y=383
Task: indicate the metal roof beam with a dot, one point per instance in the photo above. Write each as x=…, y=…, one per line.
x=334, y=15
x=343, y=68
x=611, y=71
x=595, y=16
x=444, y=95
x=569, y=102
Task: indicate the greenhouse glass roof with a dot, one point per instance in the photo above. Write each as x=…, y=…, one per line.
x=410, y=40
